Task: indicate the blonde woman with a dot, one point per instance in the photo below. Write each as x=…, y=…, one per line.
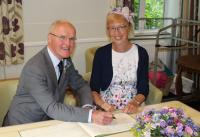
x=119, y=77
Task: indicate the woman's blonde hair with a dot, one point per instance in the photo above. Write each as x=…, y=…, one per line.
x=113, y=17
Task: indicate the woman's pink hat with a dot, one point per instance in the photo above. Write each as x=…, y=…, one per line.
x=124, y=11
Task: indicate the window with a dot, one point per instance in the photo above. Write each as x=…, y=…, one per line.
x=148, y=14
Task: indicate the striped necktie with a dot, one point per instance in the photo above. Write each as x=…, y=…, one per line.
x=60, y=66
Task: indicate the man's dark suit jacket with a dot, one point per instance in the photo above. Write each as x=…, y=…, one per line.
x=39, y=96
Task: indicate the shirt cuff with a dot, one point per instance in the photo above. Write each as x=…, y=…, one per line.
x=88, y=106
x=90, y=116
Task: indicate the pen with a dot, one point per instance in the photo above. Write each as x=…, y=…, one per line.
x=113, y=116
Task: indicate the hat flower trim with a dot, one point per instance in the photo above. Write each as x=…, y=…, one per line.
x=124, y=11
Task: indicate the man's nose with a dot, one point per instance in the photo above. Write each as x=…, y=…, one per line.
x=67, y=41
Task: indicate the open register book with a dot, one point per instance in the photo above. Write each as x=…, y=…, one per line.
x=122, y=123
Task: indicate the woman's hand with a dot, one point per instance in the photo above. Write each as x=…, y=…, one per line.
x=98, y=100
x=133, y=105
x=107, y=107
x=131, y=108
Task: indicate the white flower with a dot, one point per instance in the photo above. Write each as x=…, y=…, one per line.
x=147, y=133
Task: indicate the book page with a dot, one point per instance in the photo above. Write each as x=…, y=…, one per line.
x=123, y=122
x=65, y=129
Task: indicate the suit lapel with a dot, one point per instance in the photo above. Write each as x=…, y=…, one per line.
x=51, y=74
x=50, y=67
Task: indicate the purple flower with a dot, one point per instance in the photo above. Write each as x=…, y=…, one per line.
x=163, y=124
x=170, y=121
x=179, y=129
x=169, y=130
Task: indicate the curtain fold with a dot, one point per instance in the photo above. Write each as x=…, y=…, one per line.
x=12, y=33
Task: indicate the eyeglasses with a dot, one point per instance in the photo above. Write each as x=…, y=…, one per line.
x=117, y=28
x=62, y=37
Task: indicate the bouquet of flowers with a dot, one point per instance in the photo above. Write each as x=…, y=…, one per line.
x=166, y=122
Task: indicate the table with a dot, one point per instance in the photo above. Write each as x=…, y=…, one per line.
x=13, y=131
x=188, y=63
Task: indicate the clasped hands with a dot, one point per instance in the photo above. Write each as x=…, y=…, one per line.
x=132, y=106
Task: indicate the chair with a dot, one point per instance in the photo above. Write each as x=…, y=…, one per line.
x=8, y=89
x=89, y=56
x=187, y=63
x=155, y=94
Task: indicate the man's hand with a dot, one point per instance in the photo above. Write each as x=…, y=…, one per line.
x=102, y=118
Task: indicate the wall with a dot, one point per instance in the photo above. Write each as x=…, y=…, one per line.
x=38, y=15
x=88, y=19
x=88, y=16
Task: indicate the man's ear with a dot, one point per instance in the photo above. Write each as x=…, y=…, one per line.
x=49, y=39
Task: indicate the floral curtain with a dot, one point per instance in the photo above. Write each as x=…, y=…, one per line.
x=11, y=35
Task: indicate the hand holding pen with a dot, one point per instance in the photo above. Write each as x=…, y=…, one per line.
x=102, y=117
x=113, y=117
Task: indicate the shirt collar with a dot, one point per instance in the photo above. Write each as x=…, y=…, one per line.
x=53, y=58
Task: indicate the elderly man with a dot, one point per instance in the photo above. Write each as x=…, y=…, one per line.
x=44, y=80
